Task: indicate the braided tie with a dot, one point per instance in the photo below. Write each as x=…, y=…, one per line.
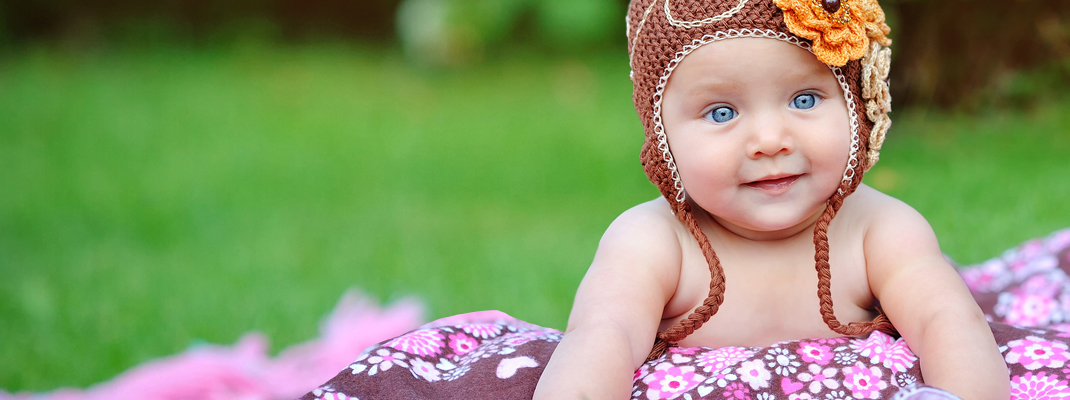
x=824, y=279
x=710, y=305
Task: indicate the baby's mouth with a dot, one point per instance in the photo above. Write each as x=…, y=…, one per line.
x=774, y=183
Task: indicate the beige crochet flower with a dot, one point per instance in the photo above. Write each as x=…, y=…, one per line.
x=840, y=36
x=875, y=66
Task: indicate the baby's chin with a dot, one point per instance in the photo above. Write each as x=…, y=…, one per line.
x=772, y=224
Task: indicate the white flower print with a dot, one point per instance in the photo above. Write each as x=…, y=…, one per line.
x=425, y=370
x=820, y=377
x=335, y=396
x=723, y=378
x=384, y=360
x=765, y=396
x=836, y=395
x=801, y=396
x=754, y=373
x=846, y=358
x=458, y=372
x=358, y=368
x=782, y=361
x=904, y=380
x=483, y=331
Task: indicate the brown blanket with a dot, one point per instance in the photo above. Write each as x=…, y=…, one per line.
x=489, y=355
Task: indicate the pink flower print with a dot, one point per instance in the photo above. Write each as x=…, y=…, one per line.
x=425, y=370
x=718, y=359
x=864, y=383
x=1038, y=387
x=1033, y=353
x=520, y=338
x=688, y=351
x=820, y=377
x=1025, y=309
x=335, y=396
x=815, y=352
x=882, y=349
x=736, y=391
x=1044, y=284
x=640, y=373
x=483, y=331
x=669, y=381
x=1058, y=241
x=424, y=342
x=1040, y=264
x=462, y=344
x=1030, y=250
x=832, y=341
x=754, y=373
x=383, y=360
x=990, y=276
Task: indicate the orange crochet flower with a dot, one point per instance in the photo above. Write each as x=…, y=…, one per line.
x=840, y=34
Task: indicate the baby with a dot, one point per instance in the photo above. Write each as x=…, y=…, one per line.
x=761, y=118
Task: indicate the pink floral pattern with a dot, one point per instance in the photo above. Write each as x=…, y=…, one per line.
x=718, y=359
x=820, y=379
x=461, y=344
x=1034, y=353
x=753, y=372
x=736, y=391
x=1038, y=387
x=454, y=361
x=669, y=381
x=815, y=353
x=882, y=349
x=863, y=382
x=424, y=342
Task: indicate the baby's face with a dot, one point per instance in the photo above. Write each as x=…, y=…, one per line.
x=760, y=133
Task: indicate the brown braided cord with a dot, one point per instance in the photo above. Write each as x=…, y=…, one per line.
x=710, y=305
x=824, y=279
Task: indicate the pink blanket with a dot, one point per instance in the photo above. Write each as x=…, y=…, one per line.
x=492, y=356
x=244, y=371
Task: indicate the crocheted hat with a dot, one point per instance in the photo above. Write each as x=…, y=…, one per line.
x=847, y=35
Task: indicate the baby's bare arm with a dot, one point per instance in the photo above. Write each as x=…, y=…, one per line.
x=617, y=310
x=929, y=304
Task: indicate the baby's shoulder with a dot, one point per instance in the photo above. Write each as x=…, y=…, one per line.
x=889, y=225
x=646, y=232
x=872, y=209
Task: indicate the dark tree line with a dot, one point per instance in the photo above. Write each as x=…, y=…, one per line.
x=947, y=52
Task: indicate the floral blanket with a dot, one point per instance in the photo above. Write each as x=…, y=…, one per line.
x=489, y=355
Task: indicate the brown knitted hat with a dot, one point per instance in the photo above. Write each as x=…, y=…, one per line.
x=847, y=35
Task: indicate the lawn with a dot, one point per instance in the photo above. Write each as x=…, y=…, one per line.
x=155, y=198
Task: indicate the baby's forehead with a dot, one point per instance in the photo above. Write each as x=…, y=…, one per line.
x=745, y=59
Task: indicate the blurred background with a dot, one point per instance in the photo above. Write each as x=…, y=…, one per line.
x=176, y=172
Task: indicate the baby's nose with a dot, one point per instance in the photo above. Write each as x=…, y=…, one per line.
x=770, y=137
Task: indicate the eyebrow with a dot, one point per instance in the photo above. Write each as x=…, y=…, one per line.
x=712, y=85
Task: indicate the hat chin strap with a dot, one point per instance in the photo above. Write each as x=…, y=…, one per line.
x=824, y=277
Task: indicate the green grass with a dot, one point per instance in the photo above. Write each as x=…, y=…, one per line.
x=153, y=198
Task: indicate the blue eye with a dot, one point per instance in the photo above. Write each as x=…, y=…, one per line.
x=804, y=101
x=722, y=114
